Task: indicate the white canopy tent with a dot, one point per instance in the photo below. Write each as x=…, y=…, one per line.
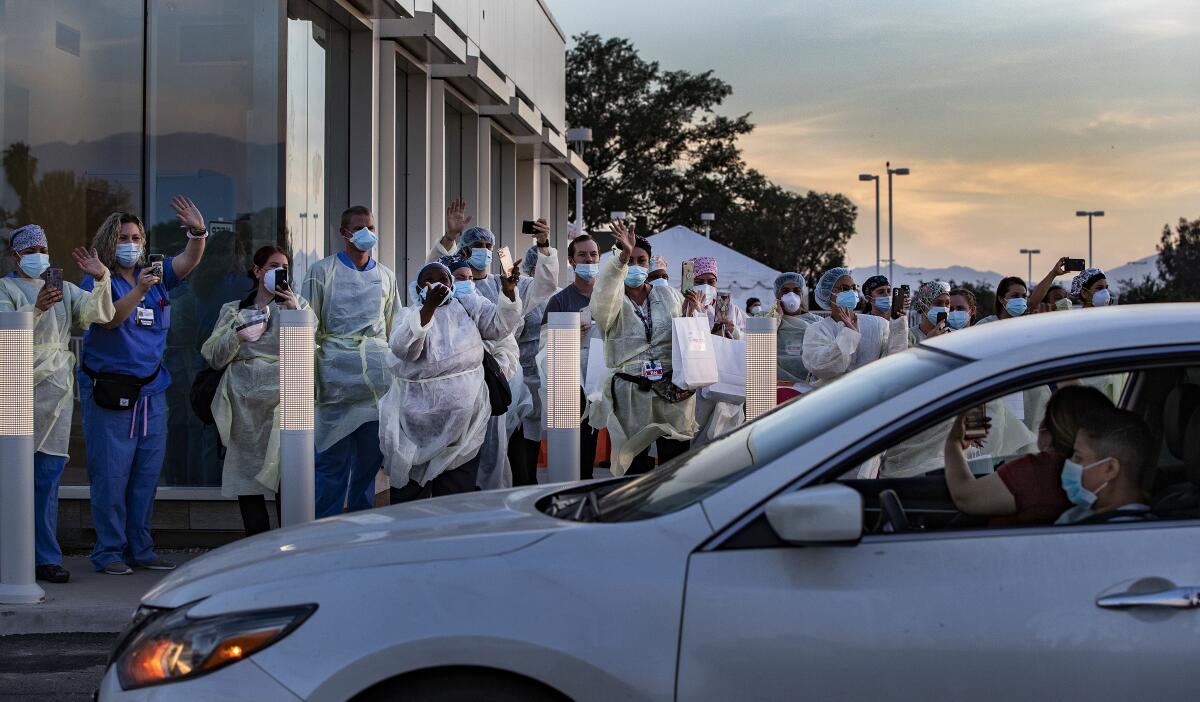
x=741, y=275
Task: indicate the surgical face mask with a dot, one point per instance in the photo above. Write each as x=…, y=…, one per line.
x=660, y=282
x=1016, y=307
x=958, y=319
x=128, y=254
x=364, y=239
x=933, y=313
x=424, y=292
x=35, y=264
x=791, y=302
x=1072, y=484
x=707, y=292
x=269, y=279
x=883, y=303
x=463, y=288
x=757, y=309
x=587, y=271
x=847, y=299
x=636, y=276
x=1101, y=298
x=481, y=259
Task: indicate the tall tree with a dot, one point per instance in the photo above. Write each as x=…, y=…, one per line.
x=1179, y=260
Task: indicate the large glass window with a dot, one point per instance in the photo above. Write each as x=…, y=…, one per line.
x=454, y=155
x=70, y=118
x=70, y=128
x=214, y=134
x=497, y=185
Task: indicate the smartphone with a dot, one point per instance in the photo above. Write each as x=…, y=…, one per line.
x=281, y=281
x=941, y=319
x=975, y=423
x=528, y=228
x=897, y=303
x=688, y=279
x=506, y=260
x=1075, y=265
x=723, y=304
x=156, y=264
x=53, y=278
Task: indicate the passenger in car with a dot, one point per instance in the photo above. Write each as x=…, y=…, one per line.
x=1026, y=490
x=1103, y=477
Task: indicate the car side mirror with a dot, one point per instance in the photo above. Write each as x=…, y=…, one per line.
x=823, y=514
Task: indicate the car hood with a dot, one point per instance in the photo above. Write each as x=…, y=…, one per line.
x=449, y=528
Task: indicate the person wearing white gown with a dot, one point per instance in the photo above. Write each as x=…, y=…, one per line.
x=714, y=417
x=846, y=340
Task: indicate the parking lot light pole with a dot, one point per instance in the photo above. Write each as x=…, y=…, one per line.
x=17, y=582
x=1089, y=214
x=891, y=249
x=1030, y=252
x=297, y=348
x=561, y=398
x=878, y=254
x=761, y=366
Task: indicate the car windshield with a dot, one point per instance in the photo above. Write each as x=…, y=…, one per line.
x=698, y=474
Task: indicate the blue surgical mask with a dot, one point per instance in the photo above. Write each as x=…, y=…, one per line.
x=1101, y=298
x=463, y=288
x=35, y=264
x=128, y=254
x=958, y=319
x=660, y=282
x=847, y=299
x=883, y=303
x=933, y=313
x=481, y=259
x=1016, y=307
x=636, y=276
x=587, y=271
x=1072, y=484
x=364, y=239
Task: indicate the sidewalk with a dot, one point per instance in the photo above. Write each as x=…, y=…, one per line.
x=92, y=602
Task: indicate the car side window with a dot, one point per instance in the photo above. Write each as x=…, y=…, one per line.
x=1111, y=447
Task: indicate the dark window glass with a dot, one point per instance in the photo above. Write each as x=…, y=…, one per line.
x=454, y=155
x=497, y=183
x=214, y=134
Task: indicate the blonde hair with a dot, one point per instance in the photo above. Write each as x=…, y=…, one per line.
x=105, y=241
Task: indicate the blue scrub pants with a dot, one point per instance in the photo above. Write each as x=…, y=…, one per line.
x=349, y=465
x=123, y=473
x=47, y=471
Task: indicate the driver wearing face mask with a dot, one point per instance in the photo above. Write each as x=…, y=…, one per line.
x=1102, y=479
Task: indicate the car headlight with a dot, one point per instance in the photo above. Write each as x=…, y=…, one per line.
x=167, y=645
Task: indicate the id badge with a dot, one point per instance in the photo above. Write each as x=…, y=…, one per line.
x=652, y=370
x=794, y=349
x=145, y=317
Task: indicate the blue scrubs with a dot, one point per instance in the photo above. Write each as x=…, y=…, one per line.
x=345, y=473
x=125, y=448
x=47, y=472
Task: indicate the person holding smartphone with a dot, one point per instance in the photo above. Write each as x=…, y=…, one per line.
x=932, y=303
x=122, y=387
x=245, y=344
x=715, y=418
x=891, y=305
x=58, y=307
x=845, y=340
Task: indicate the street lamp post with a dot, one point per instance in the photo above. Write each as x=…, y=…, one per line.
x=707, y=218
x=891, y=250
x=580, y=137
x=1089, y=215
x=1030, y=253
x=878, y=254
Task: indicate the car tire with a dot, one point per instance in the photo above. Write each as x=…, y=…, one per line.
x=461, y=686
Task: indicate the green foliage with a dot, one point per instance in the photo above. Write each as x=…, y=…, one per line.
x=1179, y=261
x=662, y=153
x=1147, y=290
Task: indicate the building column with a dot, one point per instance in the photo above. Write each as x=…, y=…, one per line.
x=386, y=220
x=417, y=206
x=364, y=124
x=470, y=165
x=483, y=161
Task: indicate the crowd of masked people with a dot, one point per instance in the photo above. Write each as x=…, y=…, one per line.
x=438, y=382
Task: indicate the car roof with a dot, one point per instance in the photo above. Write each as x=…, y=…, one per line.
x=1078, y=331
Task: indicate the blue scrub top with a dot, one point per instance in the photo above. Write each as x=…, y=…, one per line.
x=129, y=348
x=341, y=256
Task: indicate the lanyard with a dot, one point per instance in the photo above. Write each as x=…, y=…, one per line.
x=647, y=319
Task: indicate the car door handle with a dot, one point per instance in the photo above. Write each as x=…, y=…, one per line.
x=1178, y=598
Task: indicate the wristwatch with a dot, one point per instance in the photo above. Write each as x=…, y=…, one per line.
x=202, y=235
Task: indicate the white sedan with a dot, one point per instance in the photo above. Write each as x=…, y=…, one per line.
x=749, y=569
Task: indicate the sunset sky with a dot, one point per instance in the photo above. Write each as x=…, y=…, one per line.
x=1011, y=115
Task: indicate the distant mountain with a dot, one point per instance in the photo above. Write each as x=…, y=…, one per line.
x=913, y=277
x=1135, y=270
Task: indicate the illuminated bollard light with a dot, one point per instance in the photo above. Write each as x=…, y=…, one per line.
x=17, y=584
x=760, y=366
x=297, y=348
x=562, y=396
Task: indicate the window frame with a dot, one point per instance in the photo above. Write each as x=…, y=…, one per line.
x=741, y=533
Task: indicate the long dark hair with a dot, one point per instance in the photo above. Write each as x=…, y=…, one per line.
x=1003, y=288
x=260, y=261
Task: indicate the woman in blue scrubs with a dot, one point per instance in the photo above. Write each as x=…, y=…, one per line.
x=122, y=387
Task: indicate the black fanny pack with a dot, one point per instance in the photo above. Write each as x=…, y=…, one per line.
x=663, y=388
x=117, y=391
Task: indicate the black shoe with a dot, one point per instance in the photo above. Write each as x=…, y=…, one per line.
x=53, y=573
